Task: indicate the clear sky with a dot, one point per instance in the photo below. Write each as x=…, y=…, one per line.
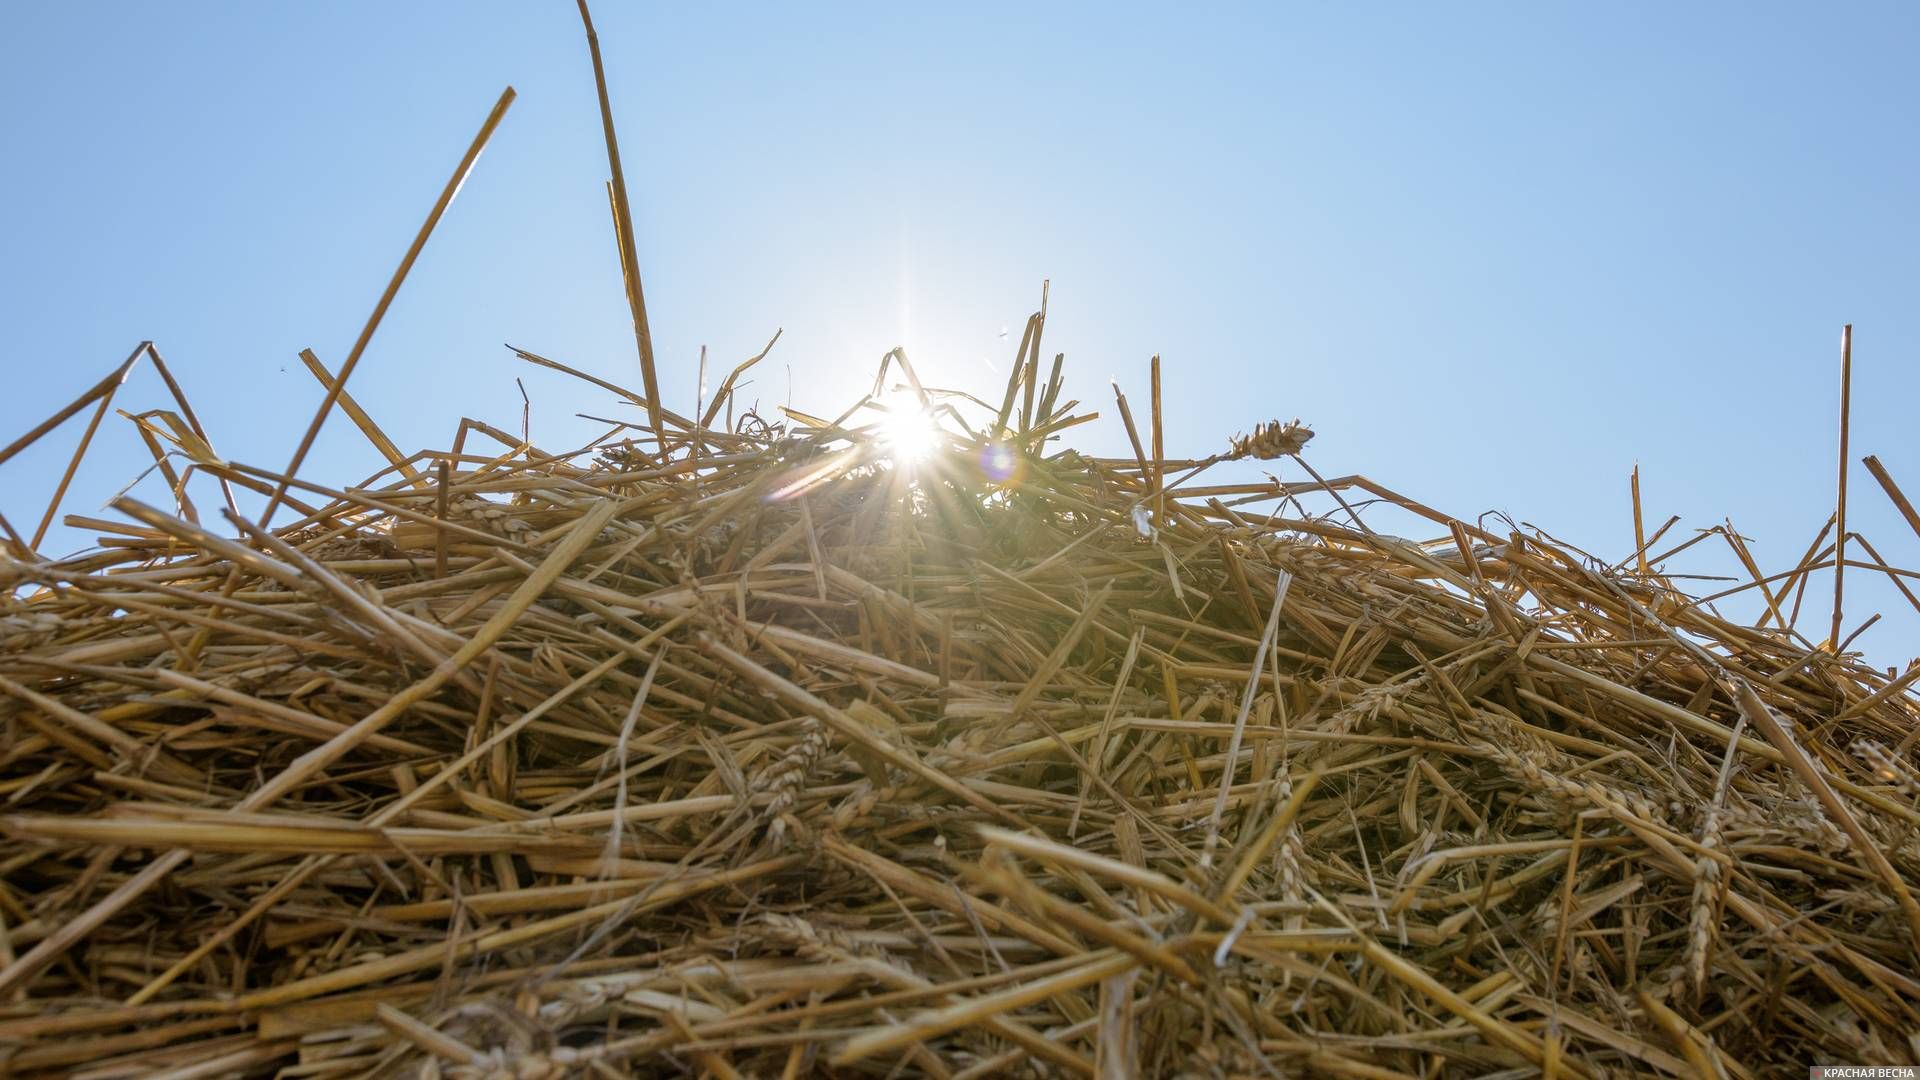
x=1494, y=254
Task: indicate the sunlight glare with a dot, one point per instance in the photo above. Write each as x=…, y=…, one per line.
x=907, y=431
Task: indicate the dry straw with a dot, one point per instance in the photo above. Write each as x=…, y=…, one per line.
x=757, y=747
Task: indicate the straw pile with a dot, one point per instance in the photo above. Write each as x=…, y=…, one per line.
x=907, y=742
x=785, y=750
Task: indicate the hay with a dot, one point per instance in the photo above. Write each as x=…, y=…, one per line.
x=769, y=748
x=778, y=752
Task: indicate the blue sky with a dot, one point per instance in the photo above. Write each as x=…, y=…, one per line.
x=1494, y=254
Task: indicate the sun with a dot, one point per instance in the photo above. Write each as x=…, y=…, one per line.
x=908, y=431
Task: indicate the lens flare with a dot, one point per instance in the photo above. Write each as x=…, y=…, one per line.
x=1000, y=464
